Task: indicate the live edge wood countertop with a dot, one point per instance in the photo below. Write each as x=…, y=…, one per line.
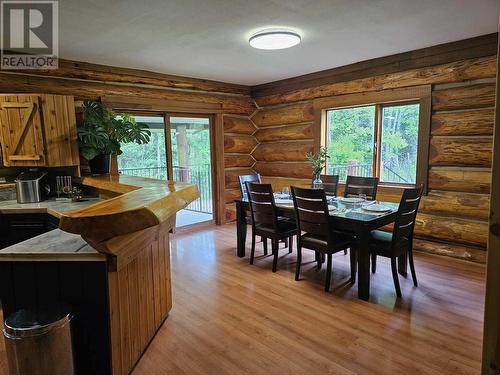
x=142, y=203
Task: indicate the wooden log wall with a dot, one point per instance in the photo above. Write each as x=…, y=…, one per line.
x=154, y=91
x=239, y=143
x=453, y=218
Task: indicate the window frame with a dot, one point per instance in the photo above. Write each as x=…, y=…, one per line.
x=386, y=98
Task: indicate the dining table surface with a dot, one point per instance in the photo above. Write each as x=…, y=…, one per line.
x=356, y=218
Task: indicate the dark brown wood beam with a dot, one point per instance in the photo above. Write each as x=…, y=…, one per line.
x=480, y=46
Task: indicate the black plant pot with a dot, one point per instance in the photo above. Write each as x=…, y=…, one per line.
x=100, y=164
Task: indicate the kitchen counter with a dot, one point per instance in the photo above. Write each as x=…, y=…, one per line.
x=49, y=206
x=109, y=260
x=55, y=245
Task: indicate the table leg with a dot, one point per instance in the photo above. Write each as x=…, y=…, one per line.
x=241, y=229
x=363, y=266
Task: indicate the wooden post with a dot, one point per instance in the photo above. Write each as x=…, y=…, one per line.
x=182, y=152
x=491, y=338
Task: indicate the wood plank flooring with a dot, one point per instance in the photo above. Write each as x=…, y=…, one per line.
x=232, y=318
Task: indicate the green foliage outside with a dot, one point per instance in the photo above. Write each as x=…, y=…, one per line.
x=351, y=138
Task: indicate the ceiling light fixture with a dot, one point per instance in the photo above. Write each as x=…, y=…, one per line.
x=274, y=39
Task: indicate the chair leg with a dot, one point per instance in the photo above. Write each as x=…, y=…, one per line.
x=319, y=260
x=265, y=245
x=328, y=273
x=275, y=244
x=374, y=263
x=290, y=243
x=299, y=261
x=252, y=252
x=354, y=264
x=395, y=277
x=412, y=268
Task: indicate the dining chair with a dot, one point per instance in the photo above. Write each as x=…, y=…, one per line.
x=400, y=241
x=330, y=183
x=247, y=178
x=266, y=222
x=315, y=231
x=356, y=185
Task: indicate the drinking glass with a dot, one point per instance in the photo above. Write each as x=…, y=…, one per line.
x=363, y=197
x=286, y=191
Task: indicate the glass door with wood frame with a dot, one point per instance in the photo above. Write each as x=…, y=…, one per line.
x=191, y=161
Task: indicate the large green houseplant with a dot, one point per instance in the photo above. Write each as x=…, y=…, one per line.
x=102, y=132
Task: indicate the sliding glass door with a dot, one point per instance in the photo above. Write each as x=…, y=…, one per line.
x=180, y=149
x=190, y=143
x=149, y=160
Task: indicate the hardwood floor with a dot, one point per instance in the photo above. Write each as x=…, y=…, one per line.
x=232, y=318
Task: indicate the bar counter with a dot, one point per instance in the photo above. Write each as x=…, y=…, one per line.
x=109, y=260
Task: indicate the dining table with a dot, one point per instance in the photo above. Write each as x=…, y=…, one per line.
x=353, y=218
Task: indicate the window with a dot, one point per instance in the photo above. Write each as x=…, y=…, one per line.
x=376, y=140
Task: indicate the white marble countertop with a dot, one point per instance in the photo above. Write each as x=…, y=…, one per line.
x=49, y=206
x=55, y=245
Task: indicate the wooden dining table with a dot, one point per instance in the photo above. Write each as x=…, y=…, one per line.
x=345, y=217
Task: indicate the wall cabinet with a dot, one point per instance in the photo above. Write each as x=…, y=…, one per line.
x=38, y=130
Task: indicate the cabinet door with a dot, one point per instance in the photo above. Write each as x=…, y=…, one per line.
x=59, y=123
x=21, y=132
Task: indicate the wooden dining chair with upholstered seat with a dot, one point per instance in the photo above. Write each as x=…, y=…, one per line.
x=315, y=231
x=266, y=222
x=356, y=185
x=400, y=241
x=330, y=183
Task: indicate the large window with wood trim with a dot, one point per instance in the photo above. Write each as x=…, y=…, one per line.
x=378, y=140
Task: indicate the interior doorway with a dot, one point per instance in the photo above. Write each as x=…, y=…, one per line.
x=181, y=150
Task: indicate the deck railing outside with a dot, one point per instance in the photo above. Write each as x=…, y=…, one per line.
x=199, y=175
x=364, y=170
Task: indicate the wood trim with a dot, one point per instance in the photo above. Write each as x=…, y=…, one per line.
x=219, y=172
x=477, y=47
x=373, y=97
x=421, y=94
x=491, y=338
x=127, y=103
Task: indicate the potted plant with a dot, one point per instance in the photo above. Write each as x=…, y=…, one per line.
x=102, y=132
x=318, y=164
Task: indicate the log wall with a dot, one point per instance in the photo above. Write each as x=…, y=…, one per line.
x=239, y=143
x=156, y=91
x=453, y=218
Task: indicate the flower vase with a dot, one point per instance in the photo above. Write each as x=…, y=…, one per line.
x=317, y=183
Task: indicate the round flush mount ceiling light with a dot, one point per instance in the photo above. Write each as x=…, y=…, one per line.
x=274, y=39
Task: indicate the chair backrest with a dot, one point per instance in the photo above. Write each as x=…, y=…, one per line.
x=407, y=214
x=247, y=178
x=356, y=185
x=262, y=204
x=330, y=183
x=311, y=211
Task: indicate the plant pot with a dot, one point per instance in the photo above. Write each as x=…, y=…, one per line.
x=100, y=164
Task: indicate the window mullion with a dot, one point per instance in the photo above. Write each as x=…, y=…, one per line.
x=377, y=147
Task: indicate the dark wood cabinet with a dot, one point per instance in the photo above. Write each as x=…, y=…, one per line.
x=15, y=228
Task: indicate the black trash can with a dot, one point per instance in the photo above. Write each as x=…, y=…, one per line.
x=39, y=343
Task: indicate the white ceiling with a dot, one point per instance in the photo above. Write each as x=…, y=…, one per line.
x=209, y=38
